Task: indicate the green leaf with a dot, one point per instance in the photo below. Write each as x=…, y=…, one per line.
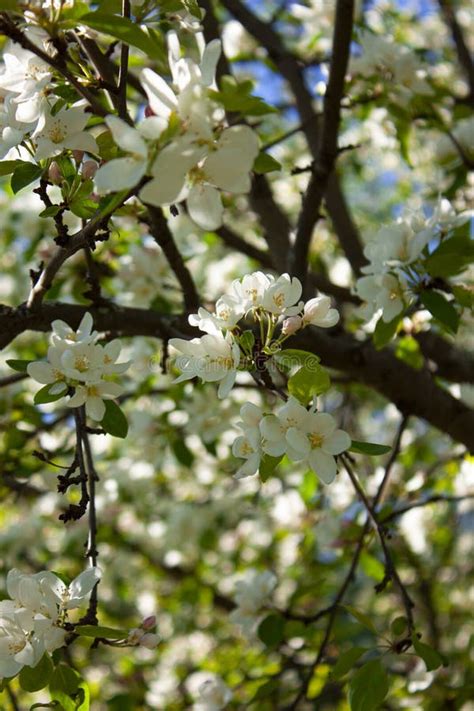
x=114, y=421
x=83, y=703
x=124, y=30
x=291, y=357
x=36, y=678
x=346, y=661
x=267, y=466
x=464, y=296
x=372, y=566
x=8, y=166
x=247, y=341
x=368, y=687
x=182, y=452
x=310, y=380
x=408, y=350
x=451, y=257
x=50, y=211
x=24, y=175
x=96, y=631
x=398, y=626
x=308, y=486
x=430, y=656
x=384, y=332
x=370, y=448
x=265, y=163
x=19, y=365
x=9, y=5
x=65, y=680
x=271, y=630
x=237, y=97
x=43, y=395
x=441, y=309
x=361, y=617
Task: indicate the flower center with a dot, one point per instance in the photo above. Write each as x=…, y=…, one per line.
x=56, y=132
x=315, y=439
x=81, y=363
x=279, y=300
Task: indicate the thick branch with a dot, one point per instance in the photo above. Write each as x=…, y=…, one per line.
x=413, y=392
x=327, y=150
x=462, y=50
x=451, y=363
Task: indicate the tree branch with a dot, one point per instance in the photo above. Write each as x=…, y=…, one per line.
x=462, y=50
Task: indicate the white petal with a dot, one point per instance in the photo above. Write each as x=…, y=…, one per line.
x=82, y=586
x=152, y=127
x=209, y=61
x=298, y=442
x=41, y=372
x=162, y=99
x=126, y=137
x=337, y=442
x=323, y=465
x=82, y=142
x=205, y=206
x=95, y=408
x=119, y=174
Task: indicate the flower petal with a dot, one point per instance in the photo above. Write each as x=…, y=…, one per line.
x=205, y=206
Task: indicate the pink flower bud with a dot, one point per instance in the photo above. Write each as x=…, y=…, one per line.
x=149, y=112
x=149, y=622
x=54, y=173
x=78, y=156
x=291, y=325
x=149, y=640
x=89, y=169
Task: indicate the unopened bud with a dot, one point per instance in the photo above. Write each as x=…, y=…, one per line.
x=54, y=173
x=149, y=111
x=89, y=169
x=78, y=156
x=291, y=325
x=149, y=640
x=149, y=622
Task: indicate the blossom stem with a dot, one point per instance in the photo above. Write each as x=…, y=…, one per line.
x=92, y=537
x=123, y=73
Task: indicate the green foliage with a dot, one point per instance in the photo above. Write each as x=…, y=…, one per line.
x=452, y=257
x=114, y=421
x=368, y=687
x=430, y=656
x=124, y=30
x=265, y=163
x=347, y=661
x=44, y=395
x=18, y=365
x=237, y=97
x=25, y=174
x=309, y=380
x=441, y=309
x=271, y=630
x=373, y=450
x=385, y=332
x=36, y=678
x=97, y=632
x=267, y=466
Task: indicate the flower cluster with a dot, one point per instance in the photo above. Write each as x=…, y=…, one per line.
x=182, y=143
x=77, y=363
x=142, y=636
x=34, y=620
x=251, y=594
x=303, y=435
x=28, y=108
x=396, y=255
x=272, y=303
x=213, y=695
x=399, y=66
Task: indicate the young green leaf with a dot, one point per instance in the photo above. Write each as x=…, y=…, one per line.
x=24, y=175
x=124, y=30
x=271, y=630
x=370, y=448
x=19, y=365
x=346, y=661
x=368, y=687
x=267, y=466
x=361, y=617
x=441, y=309
x=43, y=395
x=430, y=656
x=384, y=332
x=265, y=163
x=114, y=421
x=36, y=678
x=103, y=632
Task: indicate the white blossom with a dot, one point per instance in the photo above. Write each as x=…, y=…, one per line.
x=63, y=130
x=214, y=695
x=316, y=440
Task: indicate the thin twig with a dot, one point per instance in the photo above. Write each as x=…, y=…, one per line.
x=92, y=478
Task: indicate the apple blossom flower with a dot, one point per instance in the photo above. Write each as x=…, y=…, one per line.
x=18, y=647
x=283, y=294
x=383, y=291
x=26, y=76
x=63, y=130
x=63, y=335
x=248, y=447
x=228, y=312
x=251, y=289
x=316, y=440
x=195, y=171
x=92, y=395
x=212, y=358
x=12, y=131
x=127, y=171
x=214, y=695
x=318, y=312
x=251, y=594
x=273, y=428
